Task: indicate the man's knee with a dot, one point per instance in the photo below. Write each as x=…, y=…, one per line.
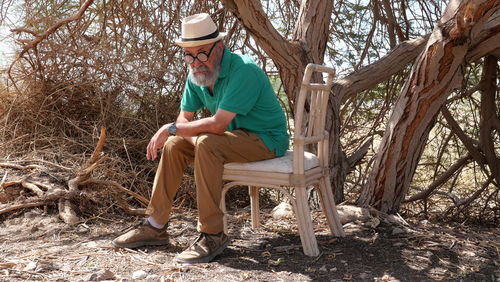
x=174, y=144
x=206, y=140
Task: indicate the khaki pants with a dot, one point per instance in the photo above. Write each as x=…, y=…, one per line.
x=209, y=155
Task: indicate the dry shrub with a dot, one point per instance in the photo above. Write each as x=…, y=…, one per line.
x=60, y=123
x=118, y=68
x=109, y=69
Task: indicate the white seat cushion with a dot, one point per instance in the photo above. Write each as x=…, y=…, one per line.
x=282, y=164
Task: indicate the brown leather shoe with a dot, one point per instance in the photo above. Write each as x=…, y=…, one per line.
x=204, y=249
x=143, y=235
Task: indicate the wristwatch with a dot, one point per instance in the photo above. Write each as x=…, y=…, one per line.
x=171, y=129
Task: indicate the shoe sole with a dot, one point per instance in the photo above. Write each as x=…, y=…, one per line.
x=140, y=244
x=206, y=259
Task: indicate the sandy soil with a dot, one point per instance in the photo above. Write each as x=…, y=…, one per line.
x=37, y=245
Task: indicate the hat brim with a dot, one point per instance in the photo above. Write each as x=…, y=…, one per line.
x=195, y=43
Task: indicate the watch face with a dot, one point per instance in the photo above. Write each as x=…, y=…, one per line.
x=171, y=129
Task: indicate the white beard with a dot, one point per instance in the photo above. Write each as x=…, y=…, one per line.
x=204, y=79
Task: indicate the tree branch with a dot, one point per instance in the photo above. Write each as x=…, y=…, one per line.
x=369, y=76
x=358, y=155
x=38, y=38
x=466, y=202
x=466, y=140
x=117, y=186
x=440, y=180
x=488, y=115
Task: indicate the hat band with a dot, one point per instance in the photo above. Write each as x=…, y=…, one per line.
x=210, y=36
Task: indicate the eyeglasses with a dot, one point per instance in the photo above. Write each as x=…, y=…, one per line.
x=201, y=56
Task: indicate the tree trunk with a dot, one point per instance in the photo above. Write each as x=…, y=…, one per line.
x=489, y=115
x=308, y=43
x=356, y=82
x=438, y=70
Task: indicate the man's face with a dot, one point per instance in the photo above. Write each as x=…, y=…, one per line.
x=204, y=73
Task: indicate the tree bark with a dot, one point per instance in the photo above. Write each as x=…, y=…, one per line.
x=489, y=116
x=356, y=82
x=437, y=71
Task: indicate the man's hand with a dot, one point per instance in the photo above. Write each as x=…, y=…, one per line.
x=157, y=142
x=190, y=129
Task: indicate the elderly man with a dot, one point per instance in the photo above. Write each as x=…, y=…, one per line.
x=247, y=124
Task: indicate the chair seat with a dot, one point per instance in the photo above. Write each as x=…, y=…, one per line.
x=282, y=164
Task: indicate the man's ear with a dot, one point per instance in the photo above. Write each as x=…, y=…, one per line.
x=220, y=49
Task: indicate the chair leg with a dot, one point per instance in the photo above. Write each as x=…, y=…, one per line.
x=329, y=207
x=254, y=205
x=222, y=205
x=304, y=222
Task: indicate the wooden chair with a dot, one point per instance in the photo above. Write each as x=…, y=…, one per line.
x=296, y=168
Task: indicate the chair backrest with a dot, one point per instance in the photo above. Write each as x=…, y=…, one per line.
x=312, y=99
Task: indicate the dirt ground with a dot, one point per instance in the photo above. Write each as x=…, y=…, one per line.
x=39, y=246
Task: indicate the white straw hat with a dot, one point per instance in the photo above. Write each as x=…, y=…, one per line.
x=198, y=29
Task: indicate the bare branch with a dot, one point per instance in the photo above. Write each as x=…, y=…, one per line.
x=117, y=186
x=440, y=180
x=359, y=154
x=466, y=140
x=369, y=76
x=466, y=202
x=38, y=38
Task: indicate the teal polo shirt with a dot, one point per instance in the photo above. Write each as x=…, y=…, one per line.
x=244, y=89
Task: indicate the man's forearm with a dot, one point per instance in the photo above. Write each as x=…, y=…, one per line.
x=215, y=124
x=188, y=128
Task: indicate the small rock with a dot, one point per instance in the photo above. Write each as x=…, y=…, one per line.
x=310, y=270
x=333, y=269
x=373, y=223
x=90, y=245
x=82, y=228
x=103, y=274
x=152, y=277
x=283, y=210
x=245, y=275
x=363, y=276
x=469, y=253
x=67, y=212
x=397, y=231
x=139, y=274
x=351, y=213
x=424, y=222
x=31, y=266
x=395, y=220
x=398, y=244
x=323, y=268
x=30, y=214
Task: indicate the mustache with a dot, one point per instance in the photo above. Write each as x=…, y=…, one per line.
x=201, y=68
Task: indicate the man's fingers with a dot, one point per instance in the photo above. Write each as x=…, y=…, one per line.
x=153, y=146
x=150, y=151
x=153, y=151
